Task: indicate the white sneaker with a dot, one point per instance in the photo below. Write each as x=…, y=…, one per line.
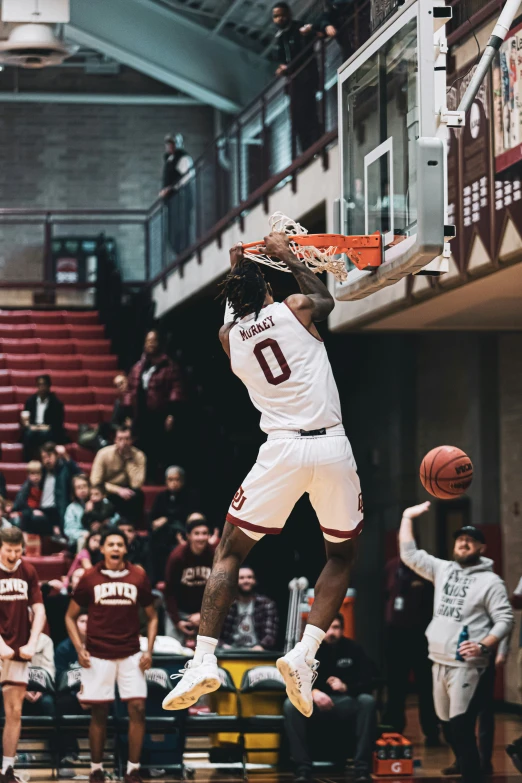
x=196, y=680
x=299, y=674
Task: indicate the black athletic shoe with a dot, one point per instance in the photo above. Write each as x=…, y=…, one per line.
x=453, y=769
x=10, y=777
x=98, y=776
x=303, y=775
x=133, y=777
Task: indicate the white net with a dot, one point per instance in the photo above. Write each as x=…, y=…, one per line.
x=317, y=259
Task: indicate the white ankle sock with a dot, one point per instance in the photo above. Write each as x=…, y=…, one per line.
x=95, y=767
x=7, y=761
x=205, y=645
x=131, y=767
x=312, y=638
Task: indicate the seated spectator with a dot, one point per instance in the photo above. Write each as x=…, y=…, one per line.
x=121, y=470
x=87, y=557
x=342, y=692
x=57, y=474
x=27, y=503
x=98, y=509
x=73, y=528
x=137, y=546
x=41, y=419
x=4, y=520
x=188, y=568
x=121, y=413
x=252, y=621
x=168, y=516
x=155, y=387
x=36, y=702
x=67, y=703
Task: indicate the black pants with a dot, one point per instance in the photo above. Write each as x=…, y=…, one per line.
x=33, y=440
x=486, y=733
x=155, y=442
x=304, y=111
x=161, y=543
x=40, y=525
x=131, y=509
x=406, y=651
x=359, y=711
x=460, y=733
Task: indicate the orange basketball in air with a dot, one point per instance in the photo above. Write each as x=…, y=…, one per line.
x=446, y=472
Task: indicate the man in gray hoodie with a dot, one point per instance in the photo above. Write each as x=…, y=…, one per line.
x=467, y=595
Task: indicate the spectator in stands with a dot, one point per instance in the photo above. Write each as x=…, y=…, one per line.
x=122, y=413
x=292, y=50
x=333, y=23
x=57, y=474
x=155, y=386
x=253, y=620
x=87, y=557
x=188, y=569
x=169, y=514
x=67, y=703
x=73, y=528
x=178, y=173
x=177, y=165
x=42, y=418
x=27, y=503
x=408, y=612
x=98, y=509
x=38, y=702
x=4, y=521
x=137, y=546
x=342, y=692
x=121, y=470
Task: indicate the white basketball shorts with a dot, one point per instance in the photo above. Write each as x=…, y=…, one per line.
x=290, y=464
x=14, y=672
x=99, y=680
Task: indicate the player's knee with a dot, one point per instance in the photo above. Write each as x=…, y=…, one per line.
x=343, y=551
x=136, y=709
x=13, y=710
x=99, y=712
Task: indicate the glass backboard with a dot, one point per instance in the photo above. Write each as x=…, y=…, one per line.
x=388, y=127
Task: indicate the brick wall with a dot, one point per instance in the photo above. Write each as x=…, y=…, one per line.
x=69, y=156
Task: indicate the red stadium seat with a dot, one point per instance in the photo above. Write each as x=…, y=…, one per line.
x=105, y=396
x=11, y=452
x=56, y=362
x=78, y=454
x=27, y=379
x=9, y=433
x=57, y=346
x=51, y=332
x=14, y=317
x=84, y=332
x=30, y=361
x=7, y=395
x=150, y=493
x=18, y=331
x=86, y=467
x=69, y=396
x=14, y=473
x=71, y=429
x=25, y=346
x=5, y=377
x=10, y=414
x=103, y=378
x=12, y=490
x=108, y=362
x=81, y=317
x=49, y=566
x=81, y=414
x=2, y=362
x=88, y=347
x=46, y=317
x=105, y=412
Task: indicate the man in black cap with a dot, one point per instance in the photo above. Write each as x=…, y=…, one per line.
x=471, y=615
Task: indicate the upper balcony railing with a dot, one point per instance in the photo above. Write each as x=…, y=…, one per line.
x=293, y=120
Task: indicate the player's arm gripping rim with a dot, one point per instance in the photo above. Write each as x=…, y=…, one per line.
x=315, y=302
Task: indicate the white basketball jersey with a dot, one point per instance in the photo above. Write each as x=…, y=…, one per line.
x=286, y=371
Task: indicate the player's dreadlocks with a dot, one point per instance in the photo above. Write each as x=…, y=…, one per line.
x=245, y=288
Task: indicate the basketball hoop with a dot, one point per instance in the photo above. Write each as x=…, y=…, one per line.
x=318, y=251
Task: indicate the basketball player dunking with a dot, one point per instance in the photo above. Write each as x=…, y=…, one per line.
x=277, y=352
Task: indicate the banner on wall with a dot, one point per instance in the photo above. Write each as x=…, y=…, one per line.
x=507, y=101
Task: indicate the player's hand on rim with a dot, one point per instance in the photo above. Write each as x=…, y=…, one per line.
x=277, y=243
x=236, y=254
x=145, y=661
x=416, y=511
